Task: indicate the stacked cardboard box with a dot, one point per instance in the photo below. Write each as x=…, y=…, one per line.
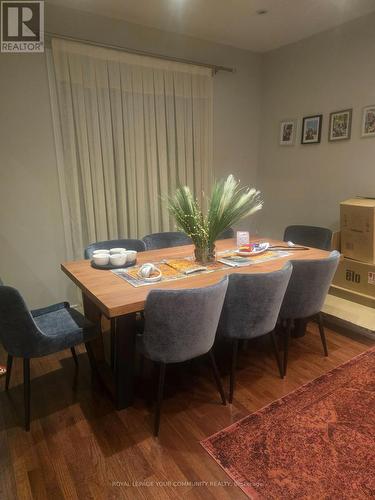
x=355, y=276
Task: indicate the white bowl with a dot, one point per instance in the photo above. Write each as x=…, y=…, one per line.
x=101, y=259
x=96, y=252
x=131, y=256
x=118, y=259
x=154, y=279
x=146, y=269
x=117, y=250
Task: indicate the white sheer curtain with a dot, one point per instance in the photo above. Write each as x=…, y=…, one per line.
x=128, y=130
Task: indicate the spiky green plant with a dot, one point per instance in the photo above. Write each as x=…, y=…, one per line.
x=228, y=204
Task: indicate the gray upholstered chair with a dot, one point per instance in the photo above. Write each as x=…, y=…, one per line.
x=306, y=293
x=39, y=312
x=47, y=331
x=129, y=244
x=251, y=310
x=310, y=236
x=227, y=234
x=181, y=325
x=169, y=239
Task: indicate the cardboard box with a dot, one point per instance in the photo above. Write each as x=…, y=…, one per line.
x=358, y=277
x=349, y=295
x=336, y=241
x=357, y=218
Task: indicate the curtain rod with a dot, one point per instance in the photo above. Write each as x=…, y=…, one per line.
x=214, y=67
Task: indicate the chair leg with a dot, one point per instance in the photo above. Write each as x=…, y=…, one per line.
x=74, y=354
x=159, y=399
x=322, y=334
x=26, y=389
x=233, y=370
x=288, y=329
x=9, y=371
x=216, y=374
x=276, y=351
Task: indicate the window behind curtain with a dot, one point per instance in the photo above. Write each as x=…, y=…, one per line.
x=128, y=130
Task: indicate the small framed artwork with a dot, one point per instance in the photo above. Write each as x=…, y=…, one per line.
x=311, y=129
x=340, y=123
x=288, y=132
x=368, y=121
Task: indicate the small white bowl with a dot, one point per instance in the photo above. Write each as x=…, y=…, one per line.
x=154, y=279
x=117, y=250
x=101, y=259
x=118, y=259
x=131, y=256
x=96, y=252
x=146, y=269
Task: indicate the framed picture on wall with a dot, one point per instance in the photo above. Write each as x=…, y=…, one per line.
x=288, y=132
x=311, y=129
x=368, y=121
x=340, y=123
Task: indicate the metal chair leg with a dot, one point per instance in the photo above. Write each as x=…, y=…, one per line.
x=276, y=351
x=159, y=399
x=286, y=344
x=26, y=389
x=9, y=371
x=233, y=370
x=216, y=374
x=74, y=354
x=322, y=333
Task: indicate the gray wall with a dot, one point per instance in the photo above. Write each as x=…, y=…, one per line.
x=328, y=72
x=31, y=235
x=300, y=184
x=31, y=231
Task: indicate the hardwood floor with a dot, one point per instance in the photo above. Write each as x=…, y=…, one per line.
x=80, y=447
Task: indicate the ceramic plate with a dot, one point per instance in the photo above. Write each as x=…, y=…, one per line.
x=258, y=248
x=110, y=266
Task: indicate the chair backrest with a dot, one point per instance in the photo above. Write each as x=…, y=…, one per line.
x=252, y=303
x=310, y=236
x=169, y=239
x=129, y=244
x=181, y=324
x=19, y=334
x=226, y=234
x=308, y=286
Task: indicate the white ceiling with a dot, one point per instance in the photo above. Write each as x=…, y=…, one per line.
x=232, y=22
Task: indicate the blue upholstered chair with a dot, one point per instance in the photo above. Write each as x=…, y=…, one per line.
x=129, y=244
x=43, y=332
x=306, y=293
x=168, y=239
x=180, y=325
x=227, y=234
x=251, y=310
x=310, y=236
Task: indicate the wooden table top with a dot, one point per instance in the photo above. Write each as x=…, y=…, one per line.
x=115, y=297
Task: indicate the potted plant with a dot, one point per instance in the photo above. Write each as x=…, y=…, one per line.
x=228, y=204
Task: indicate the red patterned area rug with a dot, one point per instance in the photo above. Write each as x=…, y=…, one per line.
x=317, y=442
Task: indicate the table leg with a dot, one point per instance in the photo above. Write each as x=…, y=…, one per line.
x=93, y=314
x=299, y=329
x=118, y=374
x=124, y=359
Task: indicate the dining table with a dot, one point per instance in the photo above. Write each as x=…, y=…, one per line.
x=116, y=306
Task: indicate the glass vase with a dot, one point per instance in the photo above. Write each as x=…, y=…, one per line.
x=204, y=254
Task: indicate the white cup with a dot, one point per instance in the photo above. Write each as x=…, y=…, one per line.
x=96, y=252
x=101, y=259
x=117, y=250
x=118, y=259
x=131, y=256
